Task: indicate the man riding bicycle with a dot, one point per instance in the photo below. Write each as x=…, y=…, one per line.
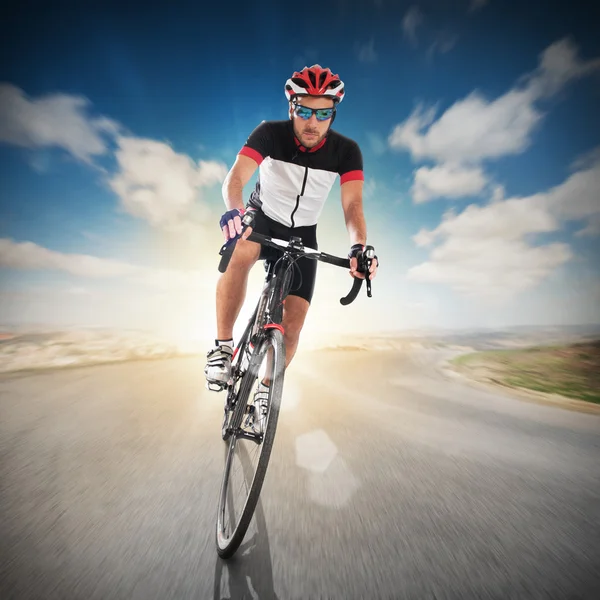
x=298, y=160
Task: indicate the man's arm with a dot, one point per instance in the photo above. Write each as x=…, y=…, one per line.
x=352, y=205
x=355, y=222
x=239, y=175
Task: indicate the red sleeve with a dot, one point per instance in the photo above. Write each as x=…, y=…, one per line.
x=259, y=144
x=351, y=167
x=352, y=176
x=251, y=153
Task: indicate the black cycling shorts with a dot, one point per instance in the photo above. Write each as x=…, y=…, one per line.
x=305, y=269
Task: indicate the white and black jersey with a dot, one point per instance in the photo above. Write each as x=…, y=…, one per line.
x=293, y=181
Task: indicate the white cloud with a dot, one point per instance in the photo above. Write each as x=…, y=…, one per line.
x=578, y=197
x=470, y=130
x=424, y=238
x=59, y=120
x=153, y=181
x=159, y=185
x=474, y=128
x=410, y=23
x=559, y=65
x=447, y=180
x=487, y=250
x=507, y=220
x=490, y=251
x=30, y=256
x=494, y=268
x=366, y=52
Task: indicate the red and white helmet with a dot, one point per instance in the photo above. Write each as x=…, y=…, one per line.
x=315, y=81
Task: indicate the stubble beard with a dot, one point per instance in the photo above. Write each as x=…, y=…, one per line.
x=310, y=142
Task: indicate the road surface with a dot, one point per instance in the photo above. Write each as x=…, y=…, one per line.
x=387, y=480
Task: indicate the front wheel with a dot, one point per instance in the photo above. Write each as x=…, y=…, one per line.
x=247, y=454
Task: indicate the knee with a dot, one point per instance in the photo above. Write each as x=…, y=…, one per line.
x=294, y=314
x=244, y=255
x=292, y=327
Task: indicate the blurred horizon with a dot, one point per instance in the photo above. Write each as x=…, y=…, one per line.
x=43, y=347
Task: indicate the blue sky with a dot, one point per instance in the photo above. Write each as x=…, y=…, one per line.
x=478, y=123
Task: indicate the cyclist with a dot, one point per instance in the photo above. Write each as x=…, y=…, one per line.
x=298, y=160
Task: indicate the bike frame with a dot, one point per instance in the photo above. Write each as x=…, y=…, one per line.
x=267, y=314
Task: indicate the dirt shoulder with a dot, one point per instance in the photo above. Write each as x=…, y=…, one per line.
x=567, y=374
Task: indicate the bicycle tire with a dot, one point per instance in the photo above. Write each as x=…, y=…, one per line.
x=228, y=539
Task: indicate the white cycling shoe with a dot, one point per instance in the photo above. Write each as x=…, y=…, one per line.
x=218, y=368
x=261, y=408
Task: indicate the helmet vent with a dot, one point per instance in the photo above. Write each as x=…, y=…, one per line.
x=299, y=82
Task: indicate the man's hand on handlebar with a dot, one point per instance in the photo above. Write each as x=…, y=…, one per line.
x=355, y=253
x=231, y=224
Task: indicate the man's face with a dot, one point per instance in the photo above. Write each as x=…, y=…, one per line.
x=310, y=132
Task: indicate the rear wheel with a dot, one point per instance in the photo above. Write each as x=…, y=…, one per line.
x=247, y=454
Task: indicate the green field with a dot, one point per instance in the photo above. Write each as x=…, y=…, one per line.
x=570, y=370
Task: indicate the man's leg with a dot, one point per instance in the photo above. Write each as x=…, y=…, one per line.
x=231, y=292
x=294, y=314
x=231, y=287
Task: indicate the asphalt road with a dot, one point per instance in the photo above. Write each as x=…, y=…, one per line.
x=387, y=480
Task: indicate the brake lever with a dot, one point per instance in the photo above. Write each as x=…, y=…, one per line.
x=228, y=247
x=368, y=256
x=364, y=261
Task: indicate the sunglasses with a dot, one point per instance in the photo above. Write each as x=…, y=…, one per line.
x=306, y=113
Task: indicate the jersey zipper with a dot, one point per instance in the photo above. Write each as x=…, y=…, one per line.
x=299, y=195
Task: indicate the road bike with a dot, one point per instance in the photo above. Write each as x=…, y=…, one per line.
x=260, y=357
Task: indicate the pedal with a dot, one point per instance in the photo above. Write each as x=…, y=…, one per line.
x=216, y=387
x=249, y=412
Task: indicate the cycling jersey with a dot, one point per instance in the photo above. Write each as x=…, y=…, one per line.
x=293, y=181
